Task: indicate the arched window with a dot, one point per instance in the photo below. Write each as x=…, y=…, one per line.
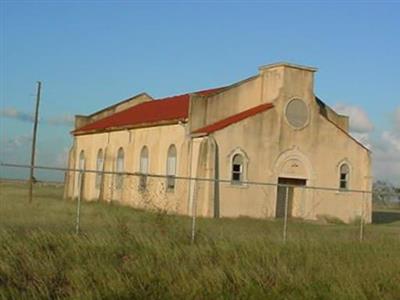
x=119, y=168
x=99, y=168
x=81, y=165
x=80, y=175
x=344, y=177
x=171, y=168
x=237, y=168
x=144, y=167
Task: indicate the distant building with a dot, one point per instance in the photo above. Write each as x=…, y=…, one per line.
x=268, y=128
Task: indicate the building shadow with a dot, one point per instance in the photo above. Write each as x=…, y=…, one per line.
x=384, y=217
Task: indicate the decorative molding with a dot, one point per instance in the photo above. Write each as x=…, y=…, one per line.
x=308, y=121
x=293, y=153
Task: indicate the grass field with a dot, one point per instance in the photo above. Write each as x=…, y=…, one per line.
x=124, y=253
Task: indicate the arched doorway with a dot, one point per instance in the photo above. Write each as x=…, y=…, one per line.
x=293, y=173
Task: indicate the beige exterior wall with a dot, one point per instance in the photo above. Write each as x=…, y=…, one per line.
x=272, y=149
x=272, y=146
x=158, y=140
x=339, y=120
x=237, y=98
x=294, y=156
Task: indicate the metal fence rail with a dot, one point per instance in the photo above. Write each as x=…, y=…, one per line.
x=50, y=168
x=133, y=179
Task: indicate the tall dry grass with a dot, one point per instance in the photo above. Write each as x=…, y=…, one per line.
x=124, y=253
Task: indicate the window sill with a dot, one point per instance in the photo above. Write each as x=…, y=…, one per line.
x=239, y=185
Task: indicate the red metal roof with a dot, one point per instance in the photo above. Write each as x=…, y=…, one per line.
x=165, y=109
x=234, y=119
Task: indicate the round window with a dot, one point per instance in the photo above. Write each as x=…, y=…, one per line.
x=297, y=113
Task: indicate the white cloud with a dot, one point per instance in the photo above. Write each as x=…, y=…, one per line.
x=360, y=125
x=392, y=140
x=13, y=113
x=359, y=121
x=385, y=147
x=386, y=158
x=386, y=153
x=61, y=120
x=397, y=119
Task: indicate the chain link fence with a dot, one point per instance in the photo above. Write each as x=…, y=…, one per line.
x=291, y=211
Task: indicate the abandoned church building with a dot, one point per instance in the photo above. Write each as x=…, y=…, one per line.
x=268, y=128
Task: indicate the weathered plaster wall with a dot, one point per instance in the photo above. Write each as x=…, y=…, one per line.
x=158, y=140
x=239, y=97
x=270, y=142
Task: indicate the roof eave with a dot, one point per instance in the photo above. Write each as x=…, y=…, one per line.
x=129, y=127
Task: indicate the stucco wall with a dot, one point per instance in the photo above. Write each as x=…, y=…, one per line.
x=254, y=138
x=158, y=140
x=239, y=97
x=266, y=161
x=269, y=141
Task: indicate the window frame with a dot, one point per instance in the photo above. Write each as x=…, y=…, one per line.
x=239, y=172
x=346, y=179
x=144, y=155
x=99, y=167
x=290, y=100
x=119, y=167
x=172, y=156
x=244, y=168
x=81, y=161
x=80, y=175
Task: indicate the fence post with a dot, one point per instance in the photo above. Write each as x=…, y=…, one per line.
x=194, y=212
x=78, y=208
x=286, y=214
x=362, y=217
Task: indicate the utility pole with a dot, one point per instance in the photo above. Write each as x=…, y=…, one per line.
x=35, y=124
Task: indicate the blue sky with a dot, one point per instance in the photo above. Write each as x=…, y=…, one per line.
x=92, y=54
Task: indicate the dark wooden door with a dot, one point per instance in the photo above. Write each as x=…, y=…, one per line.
x=281, y=195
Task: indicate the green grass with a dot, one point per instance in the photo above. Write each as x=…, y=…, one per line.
x=124, y=253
